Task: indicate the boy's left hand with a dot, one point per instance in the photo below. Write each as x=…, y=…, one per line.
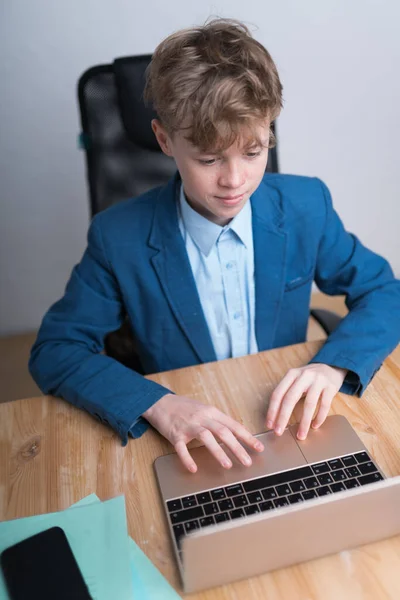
x=318, y=382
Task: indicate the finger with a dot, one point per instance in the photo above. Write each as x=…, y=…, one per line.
x=310, y=404
x=226, y=436
x=289, y=401
x=184, y=455
x=278, y=394
x=212, y=445
x=327, y=396
x=241, y=432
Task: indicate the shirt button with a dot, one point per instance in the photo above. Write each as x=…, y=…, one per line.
x=229, y=265
x=237, y=315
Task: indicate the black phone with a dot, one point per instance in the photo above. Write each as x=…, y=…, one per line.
x=43, y=567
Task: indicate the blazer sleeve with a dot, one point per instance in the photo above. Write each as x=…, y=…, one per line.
x=66, y=358
x=371, y=330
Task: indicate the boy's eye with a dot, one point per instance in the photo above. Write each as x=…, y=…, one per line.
x=207, y=161
x=211, y=161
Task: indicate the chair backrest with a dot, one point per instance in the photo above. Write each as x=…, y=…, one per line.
x=123, y=157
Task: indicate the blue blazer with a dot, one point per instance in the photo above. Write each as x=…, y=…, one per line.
x=136, y=264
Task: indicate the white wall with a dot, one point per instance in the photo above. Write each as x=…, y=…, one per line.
x=339, y=61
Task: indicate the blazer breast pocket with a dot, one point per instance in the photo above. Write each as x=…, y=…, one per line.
x=299, y=281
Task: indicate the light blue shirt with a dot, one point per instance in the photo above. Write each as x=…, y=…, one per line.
x=222, y=262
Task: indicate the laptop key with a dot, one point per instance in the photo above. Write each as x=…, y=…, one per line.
x=266, y=505
x=221, y=517
x=352, y=471
x=362, y=457
x=191, y=526
x=251, y=510
x=218, y=494
x=338, y=475
x=320, y=468
x=367, y=467
x=277, y=479
x=189, y=501
x=294, y=498
x=203, y=497
x=254, y=497
x=234, y=490
x=283, y=490
x=206, y=521
x=311, y=482
x=179, y=532
x=210, y=509
x=338, y=487
x=174, y=505
x=225, y=504
x=186, y=515
x=281, y=502
x=269, y=493
x=297, y=486
x=309, y=494
x=240, y=501
x=335, y=464
x=325, y=479
x=370, y=478
x=351, y=483
x=237, y=513
x=348, y=461
x=323, y=491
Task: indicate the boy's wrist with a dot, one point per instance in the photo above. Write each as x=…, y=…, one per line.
x=149, y=413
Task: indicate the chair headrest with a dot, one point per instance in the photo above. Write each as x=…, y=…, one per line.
x=136, y=116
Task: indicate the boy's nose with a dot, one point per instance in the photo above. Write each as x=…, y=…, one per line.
x=232, y=177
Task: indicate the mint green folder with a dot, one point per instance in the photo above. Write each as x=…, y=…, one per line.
x=148, y=583
x=97, y=533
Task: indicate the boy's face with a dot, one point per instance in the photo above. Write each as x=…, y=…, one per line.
x=217, y=185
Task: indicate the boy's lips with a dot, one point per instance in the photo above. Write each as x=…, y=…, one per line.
x=231, y=200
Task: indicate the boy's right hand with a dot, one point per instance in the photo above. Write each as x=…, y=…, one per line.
x=180, y=420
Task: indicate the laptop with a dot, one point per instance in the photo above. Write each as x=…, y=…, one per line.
x=298, y=501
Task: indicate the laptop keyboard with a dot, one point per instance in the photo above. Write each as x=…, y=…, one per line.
x=239, y=500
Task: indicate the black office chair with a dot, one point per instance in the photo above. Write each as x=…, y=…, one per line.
x=123, y=158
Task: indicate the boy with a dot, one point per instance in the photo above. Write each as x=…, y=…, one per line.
x=218, y=263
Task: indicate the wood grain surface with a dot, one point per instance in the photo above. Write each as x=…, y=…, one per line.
x=52, y=454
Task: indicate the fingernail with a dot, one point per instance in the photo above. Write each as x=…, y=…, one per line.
x=301, y=435
x=227, y=464
x=270, y=423
x=193, y=468
x=259, y=446
x=278, y=430
x=247, y=460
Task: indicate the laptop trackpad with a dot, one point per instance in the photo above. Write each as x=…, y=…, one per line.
x=335, y=438
x=281, y=453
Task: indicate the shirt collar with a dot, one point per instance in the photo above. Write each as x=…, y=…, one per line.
x=205, y=233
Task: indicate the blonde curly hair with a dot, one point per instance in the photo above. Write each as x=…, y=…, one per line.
x=214, y=82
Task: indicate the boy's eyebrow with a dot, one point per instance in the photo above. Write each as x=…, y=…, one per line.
x=208, y=152
x=257, y=144
x=254, y=144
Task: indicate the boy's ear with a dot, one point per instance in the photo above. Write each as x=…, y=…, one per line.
x=162, y=136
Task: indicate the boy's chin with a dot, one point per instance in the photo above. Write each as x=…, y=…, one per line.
x=233, y=209
x=223, y=216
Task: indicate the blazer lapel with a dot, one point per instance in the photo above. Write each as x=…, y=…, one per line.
x=270, y=246
x=172, y=266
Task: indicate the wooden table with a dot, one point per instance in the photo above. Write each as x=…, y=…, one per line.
x=52, y=454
